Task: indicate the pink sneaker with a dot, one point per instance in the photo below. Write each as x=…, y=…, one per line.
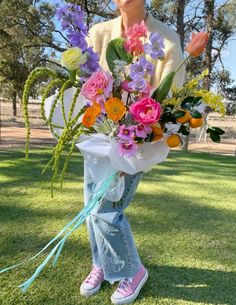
x=93, y=282
x=128, y=289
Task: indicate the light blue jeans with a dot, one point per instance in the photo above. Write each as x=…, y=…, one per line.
x=110, y=236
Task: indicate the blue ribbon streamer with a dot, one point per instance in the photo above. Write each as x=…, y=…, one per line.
x=74, y=224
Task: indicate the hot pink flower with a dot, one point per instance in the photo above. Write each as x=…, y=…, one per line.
x=146, y=111
x=98, y=87
x=127, y=149
x=142, y=131
x=137, y=30
x=126, y=133
x=134, y=46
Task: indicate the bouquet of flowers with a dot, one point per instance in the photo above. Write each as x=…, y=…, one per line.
x=119, y=108
x=116, y=118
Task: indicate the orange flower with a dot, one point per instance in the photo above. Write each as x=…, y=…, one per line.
x=197, y=44
x=115, y=109
x=96, y=108
x=91, y=114
x=89, y=118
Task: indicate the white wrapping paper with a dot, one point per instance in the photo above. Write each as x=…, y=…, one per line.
x=101, y=152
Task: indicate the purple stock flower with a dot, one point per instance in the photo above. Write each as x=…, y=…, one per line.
x=127, y=149
x=126, y=133
x=142, y=131
x=138, y=84
x=141, y=68
x=72, y=19
x=92, y=63
x=155, y=49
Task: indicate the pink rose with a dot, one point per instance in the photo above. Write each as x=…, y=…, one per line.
x=146, y=111
x=98, y=87
x=134, y=46
x=137, y=30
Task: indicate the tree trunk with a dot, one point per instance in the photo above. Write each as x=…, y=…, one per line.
x=181, y=32
x=180, y=21
x=14, y=103
x=209, y=16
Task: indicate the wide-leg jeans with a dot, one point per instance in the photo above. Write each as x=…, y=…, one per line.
x=111, y=240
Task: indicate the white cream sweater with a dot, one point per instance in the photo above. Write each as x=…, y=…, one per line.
x=102, y=33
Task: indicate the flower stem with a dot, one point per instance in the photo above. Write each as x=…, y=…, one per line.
x=182, y=64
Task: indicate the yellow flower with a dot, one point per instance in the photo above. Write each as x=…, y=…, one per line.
x=215, y=101
x=72, y=58
x=172, y=101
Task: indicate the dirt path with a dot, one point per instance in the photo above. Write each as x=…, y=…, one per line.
x=15, y=137
x=13, y=132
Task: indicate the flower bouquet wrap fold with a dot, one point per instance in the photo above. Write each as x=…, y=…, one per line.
x=116, y=118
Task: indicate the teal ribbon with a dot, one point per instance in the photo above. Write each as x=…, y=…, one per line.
x=74, y=224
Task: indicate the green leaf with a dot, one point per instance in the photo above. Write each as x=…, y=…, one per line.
x=215, y=137
x=184, y=130
x=195, y=114
x=163, y=89
x=116, y=50
x=179, y=113
x=187, y=102
x=73, y=75
x=197, y=101
x=218, y=130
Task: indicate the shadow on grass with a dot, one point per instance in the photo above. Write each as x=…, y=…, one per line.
x=19, y=172
x=190, y=284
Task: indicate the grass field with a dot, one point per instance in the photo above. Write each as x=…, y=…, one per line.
x=183, y=220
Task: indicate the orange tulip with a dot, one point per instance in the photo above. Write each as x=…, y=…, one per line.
x=115, y=109
x=197, y=44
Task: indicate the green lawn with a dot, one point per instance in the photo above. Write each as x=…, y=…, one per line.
x=183, y=219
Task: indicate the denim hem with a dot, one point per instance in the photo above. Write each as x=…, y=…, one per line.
x=112, y=280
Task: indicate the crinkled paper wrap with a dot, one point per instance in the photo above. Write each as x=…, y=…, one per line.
x=101, y=152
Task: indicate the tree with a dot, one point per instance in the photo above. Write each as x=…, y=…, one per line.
x=218, y=18
x=25, y=31
x=96, y=10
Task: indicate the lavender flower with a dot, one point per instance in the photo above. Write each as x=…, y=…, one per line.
x=72, y=19
x=155, y=49
x=141, y=68
x=92, y=63
x=138, y=84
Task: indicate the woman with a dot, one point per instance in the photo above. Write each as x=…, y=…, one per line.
x=115, y=257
